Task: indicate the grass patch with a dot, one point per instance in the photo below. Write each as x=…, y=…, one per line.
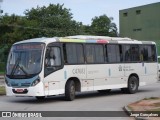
x=157, y=104
x=2, y=90
x=130, y=108
x=151, y=98
x=156, y=110
x=2, y=73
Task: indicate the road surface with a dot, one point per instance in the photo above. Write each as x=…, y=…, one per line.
x=88, y=101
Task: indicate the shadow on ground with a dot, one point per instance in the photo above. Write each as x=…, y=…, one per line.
x=79, y=96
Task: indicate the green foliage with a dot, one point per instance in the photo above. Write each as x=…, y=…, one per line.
x=103, y=25
x=2, y=67
x=54, y=20
x=4, y=49
x=151, y=98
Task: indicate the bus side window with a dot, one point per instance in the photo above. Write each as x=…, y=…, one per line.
x=148, y=53
x=99, y=54
x=52, y=57
x=80, y=53
x=152, y=55
x=65, y=54
x=113, y=53
x=73, y=53
x=145, y=53
x=90, y=53
x=127, y=53
x=132, y=53
x=121, y=53
x=141, y=55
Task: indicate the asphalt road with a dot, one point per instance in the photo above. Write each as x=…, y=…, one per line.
x=88, y=101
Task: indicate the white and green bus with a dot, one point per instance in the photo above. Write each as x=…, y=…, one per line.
x=44, y=67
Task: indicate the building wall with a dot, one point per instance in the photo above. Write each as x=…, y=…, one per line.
x=142, y=23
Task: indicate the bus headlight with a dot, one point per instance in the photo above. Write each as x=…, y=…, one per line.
x=35, y=82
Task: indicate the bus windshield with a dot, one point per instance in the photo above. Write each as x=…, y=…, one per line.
x=25, y=60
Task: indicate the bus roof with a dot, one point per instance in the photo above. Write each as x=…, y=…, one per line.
x=87, y=39
x=42, y=40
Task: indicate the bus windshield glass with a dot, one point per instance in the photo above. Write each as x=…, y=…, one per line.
x=25, y=60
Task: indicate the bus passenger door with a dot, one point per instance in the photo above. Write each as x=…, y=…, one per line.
x=52, y=69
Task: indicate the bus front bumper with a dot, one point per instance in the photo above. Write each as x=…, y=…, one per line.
x=37, y=90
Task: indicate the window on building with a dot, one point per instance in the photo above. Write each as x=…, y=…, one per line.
x=138, y=12
x=137, y=29
x=125, y=14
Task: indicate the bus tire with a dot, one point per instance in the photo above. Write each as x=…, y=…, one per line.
x=40, y=97
x=104, y=91
x=70, y=90
x=132, y=85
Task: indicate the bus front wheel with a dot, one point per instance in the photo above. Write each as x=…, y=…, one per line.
x=70, y=90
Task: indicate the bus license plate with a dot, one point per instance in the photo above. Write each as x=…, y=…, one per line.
x=19, y=90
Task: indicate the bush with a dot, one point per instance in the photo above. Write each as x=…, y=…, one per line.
x=2, y=67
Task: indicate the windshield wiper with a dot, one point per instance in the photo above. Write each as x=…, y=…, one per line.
x=16, y=65
x=25, y=72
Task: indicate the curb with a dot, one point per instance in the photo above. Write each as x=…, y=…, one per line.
x=128, y=112
x=1, y=76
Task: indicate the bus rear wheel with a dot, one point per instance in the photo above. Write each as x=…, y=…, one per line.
x=132, y=85
x=70, y=90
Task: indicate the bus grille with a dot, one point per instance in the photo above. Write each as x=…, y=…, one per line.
x=14, y=84
x=25, y=84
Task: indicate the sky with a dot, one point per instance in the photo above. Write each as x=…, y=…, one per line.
x=82, y=10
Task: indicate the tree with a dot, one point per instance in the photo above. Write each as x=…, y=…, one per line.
x=54, y=20
x=104, y=26
x=10, y=29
